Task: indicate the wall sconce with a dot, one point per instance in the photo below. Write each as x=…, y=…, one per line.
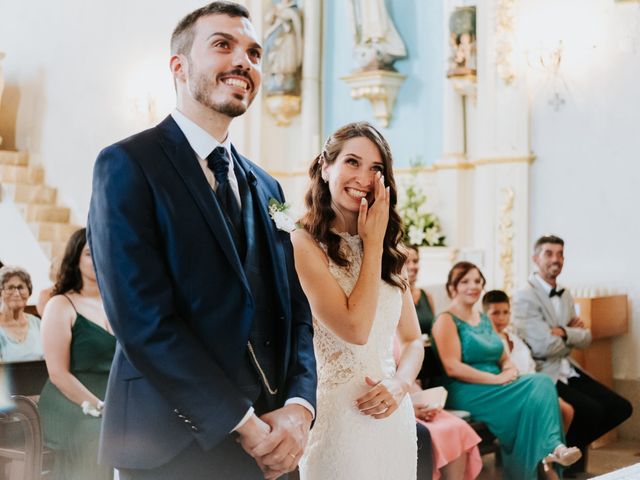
x=380, y=87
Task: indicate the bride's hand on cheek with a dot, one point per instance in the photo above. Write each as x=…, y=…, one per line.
x=383, y=398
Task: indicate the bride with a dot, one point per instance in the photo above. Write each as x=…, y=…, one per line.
x=349, y=265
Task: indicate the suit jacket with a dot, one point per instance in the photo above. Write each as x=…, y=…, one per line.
x=178, y=300
x=534, y=316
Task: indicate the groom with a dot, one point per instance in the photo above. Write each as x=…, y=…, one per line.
x=214, y=375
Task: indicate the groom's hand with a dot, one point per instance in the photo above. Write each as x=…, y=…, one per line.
x=251, y=434
x=281, y=450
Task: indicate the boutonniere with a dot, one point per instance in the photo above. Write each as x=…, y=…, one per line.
x=279, y=213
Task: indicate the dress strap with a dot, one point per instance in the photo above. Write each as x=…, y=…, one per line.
x=71, y=302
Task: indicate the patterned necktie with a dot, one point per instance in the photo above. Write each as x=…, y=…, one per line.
x=555, y=292
x=218, y=163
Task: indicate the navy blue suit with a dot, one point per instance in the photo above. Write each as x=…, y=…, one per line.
x=179, y=299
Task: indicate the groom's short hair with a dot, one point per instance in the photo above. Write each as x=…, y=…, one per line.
x=183, y=34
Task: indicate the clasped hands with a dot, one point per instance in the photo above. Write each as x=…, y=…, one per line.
x=277, y=439
x=383, y=398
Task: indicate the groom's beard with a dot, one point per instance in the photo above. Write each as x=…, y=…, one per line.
x=202, y=91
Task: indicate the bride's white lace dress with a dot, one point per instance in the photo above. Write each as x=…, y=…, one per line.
x=344, y=443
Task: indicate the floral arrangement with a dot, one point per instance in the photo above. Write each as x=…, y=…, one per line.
x=422, y=228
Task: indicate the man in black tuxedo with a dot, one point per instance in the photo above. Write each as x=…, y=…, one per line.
x=214, y=375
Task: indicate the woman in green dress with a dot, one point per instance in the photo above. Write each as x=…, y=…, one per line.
x=521, y=411
x=78, y=348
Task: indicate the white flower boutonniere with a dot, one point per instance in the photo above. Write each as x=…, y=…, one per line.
x=279, y=213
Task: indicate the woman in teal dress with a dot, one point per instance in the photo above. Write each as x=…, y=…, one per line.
x=78, y=348
x=521, y=411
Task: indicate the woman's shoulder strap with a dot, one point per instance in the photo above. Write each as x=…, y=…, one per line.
x=71, y=302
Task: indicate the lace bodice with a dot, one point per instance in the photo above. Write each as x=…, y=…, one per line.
x=339, y=361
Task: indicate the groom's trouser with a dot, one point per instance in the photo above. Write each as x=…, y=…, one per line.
x=597, y=410
x=226, y=461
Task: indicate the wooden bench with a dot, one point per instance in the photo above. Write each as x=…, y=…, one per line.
x=25, y=381
x=24, y=460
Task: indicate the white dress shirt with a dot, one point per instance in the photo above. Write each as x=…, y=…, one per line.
x=566, y=369
x=203, y=144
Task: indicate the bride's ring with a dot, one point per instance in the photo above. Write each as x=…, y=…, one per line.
x=292, y=456
x=385, y=403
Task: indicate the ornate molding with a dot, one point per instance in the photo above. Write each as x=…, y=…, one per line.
x=380, y=87
x=283, y=108
x=500, y=160
x=505, y=25
x=506, y=234
x=433, y=168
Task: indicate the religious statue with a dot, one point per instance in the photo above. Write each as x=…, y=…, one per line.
x=283, y=49
x=377, y=42
x=462, y=40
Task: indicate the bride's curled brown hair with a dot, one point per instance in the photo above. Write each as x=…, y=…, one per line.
x=320, y=215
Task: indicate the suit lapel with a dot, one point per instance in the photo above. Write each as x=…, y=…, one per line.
x=544, y=299
x=262, y=216
x=183, y=158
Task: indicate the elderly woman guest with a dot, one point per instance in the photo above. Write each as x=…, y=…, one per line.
x=79, y=349
x=521, y=411
x=19, y=331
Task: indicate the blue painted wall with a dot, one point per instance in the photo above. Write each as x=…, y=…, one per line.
x=415, y=131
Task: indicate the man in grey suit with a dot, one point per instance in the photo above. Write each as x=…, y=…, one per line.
x=545, y=317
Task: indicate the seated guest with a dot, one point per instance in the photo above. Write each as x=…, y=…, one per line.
x=521, y=411
x=19, y=331
x=79, y=349
x=496, y=305
x=421, y=298
x=46, y=293
x=545, y=317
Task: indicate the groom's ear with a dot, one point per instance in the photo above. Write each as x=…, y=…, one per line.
x=178, y=64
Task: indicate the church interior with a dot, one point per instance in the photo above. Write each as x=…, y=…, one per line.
x=507, y=119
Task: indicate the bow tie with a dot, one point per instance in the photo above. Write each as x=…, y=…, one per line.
x=555, y=292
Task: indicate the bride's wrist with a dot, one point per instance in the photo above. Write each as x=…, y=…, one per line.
x=404, y=385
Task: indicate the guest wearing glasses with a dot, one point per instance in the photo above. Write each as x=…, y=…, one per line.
x=19, y=331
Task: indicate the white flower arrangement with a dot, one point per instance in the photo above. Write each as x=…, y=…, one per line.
x=422, y=228
x=279, y=214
